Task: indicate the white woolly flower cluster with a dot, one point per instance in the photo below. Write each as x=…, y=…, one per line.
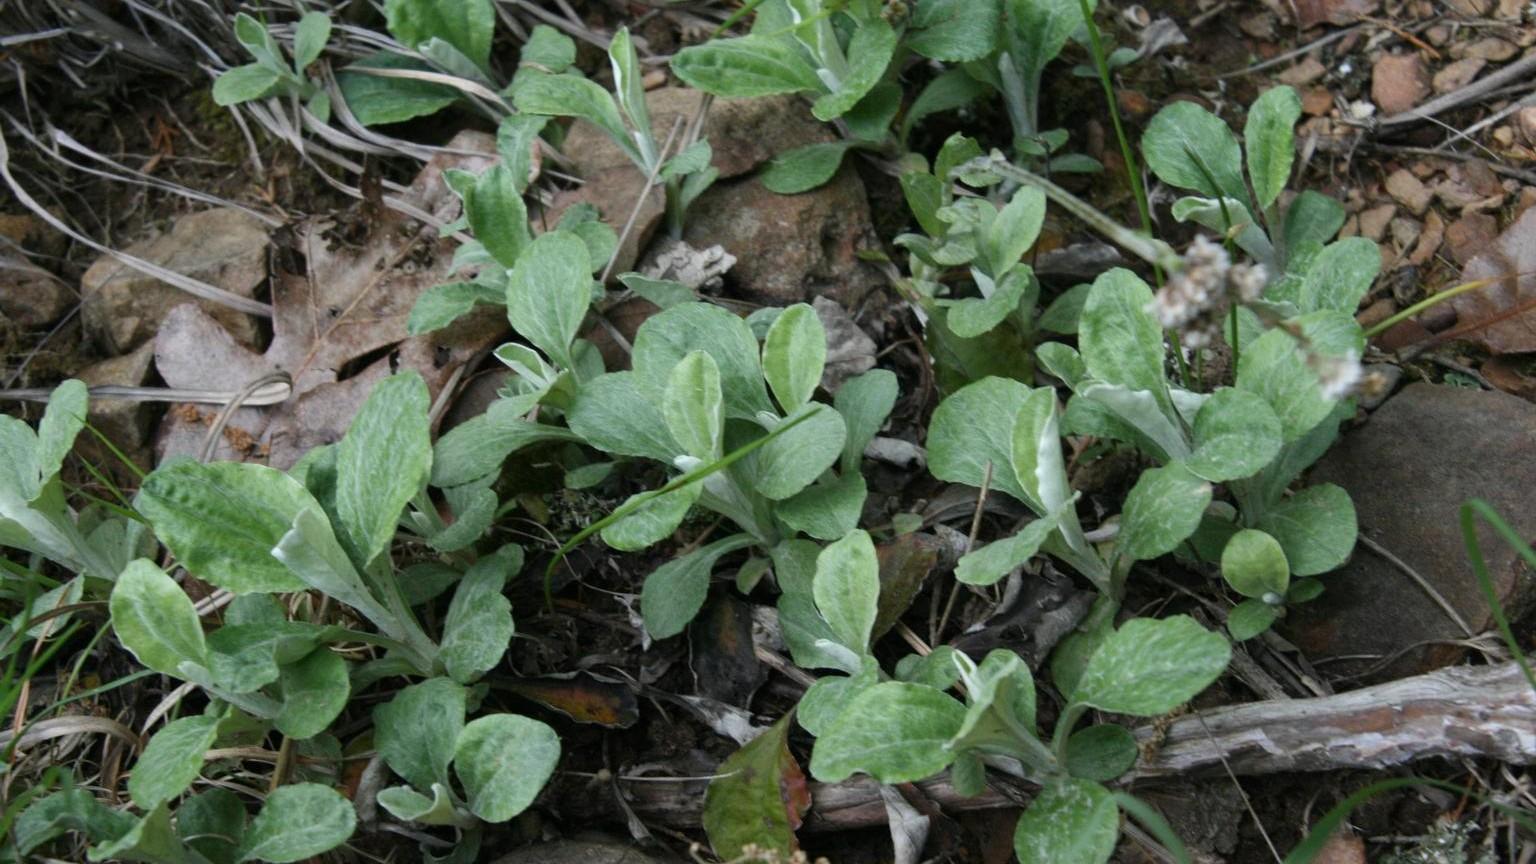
x=1194, y=301
x=1339, y=376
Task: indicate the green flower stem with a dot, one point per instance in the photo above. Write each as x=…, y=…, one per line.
x=1149, y=249
x=1428, y=302
x=639, y=501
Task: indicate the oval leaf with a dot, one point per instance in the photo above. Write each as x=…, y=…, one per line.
x=1150, y=667
x=794, y=354
x=894, y=732
x=503, y=760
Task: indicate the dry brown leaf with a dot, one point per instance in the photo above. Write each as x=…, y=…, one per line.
x=1502, y=316
x=336, y=329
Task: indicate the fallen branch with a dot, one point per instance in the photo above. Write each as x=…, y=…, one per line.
x=1477, y=712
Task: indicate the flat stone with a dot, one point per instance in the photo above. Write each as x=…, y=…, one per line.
x=742, y=133
x=31, y=296
x=1459, y=74
x=224, y=247
x=1491, y=48
x=1408, y=469
x=1399, y=82
x=1409, y=191
x=790, y=248
x=579, y=852
x=1373, y=222
x=1305, y=72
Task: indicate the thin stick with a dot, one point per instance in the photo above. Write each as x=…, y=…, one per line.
x=970, y=543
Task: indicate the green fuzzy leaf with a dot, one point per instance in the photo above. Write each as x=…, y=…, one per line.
x=1036, y=457
x=297, y=822
x=615, y=414
x=1250, y=618
x=73, y=810
x=441, y=305
x=894, y=732
x=1150, y=666
x=503, y=760
x=1339, y=276
x=694, y=408
x=1274, y=368
x=847, y=589
x=1101, y=753
x=311, y=552
x=1312, y=220
x=1036, y=31
x=826, y=511
x=376, y=100
x=548, y=50
x=548, y=293
x=571, y=96
x=757, y=797
x=749, y=66
x=828, y=699
x=408, y=805
x=1119, y=339
x=804, y=168
x=477, y=447
x=954, y=31
x=309, y=38
x=1254, y=565
x=314, y=691
x=988, y=564
x=666, y=338
x=628, y=88
x=155, y=620
x=150, y=840
x=1316, y=527
x=1071, y=822
x=1191, y=148
x=794, y=354
x=1270, y=141
x=949, y=90
x=675, y=591
x=171, y=760
x=212, y=823
x=467, y=25
x=1161, y=511
x=479, y=624
x=222, y=520
x=973, y=316
x=869, y=53
x=654, y=521
x=497, y=215
x=243, y=84
x=1000, y=704
x=1236, y=436
x=1015, y=229
x=865, y=402
x=416, y=731
x=794, y=460
x=973, y=428
x=382, y=462
x=665, y=293
x=62, y=421
x=925, y=195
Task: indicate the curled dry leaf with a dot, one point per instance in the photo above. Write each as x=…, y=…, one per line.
x=347, y=310
x=1502, y=316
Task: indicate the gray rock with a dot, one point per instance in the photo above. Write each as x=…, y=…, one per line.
x=31, y=296
x=223, y=247
x=1409, y=468
x=579, y=852
x=790, y=248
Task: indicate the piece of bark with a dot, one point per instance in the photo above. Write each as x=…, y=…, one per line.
x=1476, y=712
